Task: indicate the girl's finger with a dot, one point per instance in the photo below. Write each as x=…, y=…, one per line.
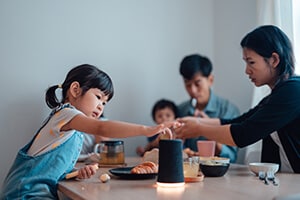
x=166, y=134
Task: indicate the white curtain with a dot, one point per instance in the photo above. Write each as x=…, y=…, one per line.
x=296, y=32
x=269, y=12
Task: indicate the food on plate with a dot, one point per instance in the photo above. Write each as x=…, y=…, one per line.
x=147, y=167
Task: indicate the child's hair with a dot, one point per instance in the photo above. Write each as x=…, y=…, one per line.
x=163, y=103
x=269, y=39
x=88, y=76
x=192, y=64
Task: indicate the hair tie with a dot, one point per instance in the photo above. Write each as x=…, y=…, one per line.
x=59, y=86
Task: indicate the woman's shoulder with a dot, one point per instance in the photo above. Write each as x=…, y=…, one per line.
x=289, y=88
x=293, y=81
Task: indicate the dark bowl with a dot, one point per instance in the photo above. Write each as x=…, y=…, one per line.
x=214, y=170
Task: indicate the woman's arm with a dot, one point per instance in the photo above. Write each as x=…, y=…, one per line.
x=210, y=128
x=210, y=121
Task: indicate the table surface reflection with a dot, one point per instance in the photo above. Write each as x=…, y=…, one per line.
x=237, y=183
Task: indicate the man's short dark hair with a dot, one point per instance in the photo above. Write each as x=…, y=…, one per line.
x=195, y=63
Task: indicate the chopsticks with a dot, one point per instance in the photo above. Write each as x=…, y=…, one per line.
x=269, y=176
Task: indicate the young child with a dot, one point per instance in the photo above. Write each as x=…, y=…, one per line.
x=162, y=111
x=53, y=151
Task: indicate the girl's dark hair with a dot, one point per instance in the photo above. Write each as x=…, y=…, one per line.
x=163, y=103
x=269, y=39
x=192, y=64
x=88, y=77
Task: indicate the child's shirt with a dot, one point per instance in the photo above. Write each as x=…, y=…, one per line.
x=50, y=136
x=37, y=176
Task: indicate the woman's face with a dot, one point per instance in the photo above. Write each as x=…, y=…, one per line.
x=261, y=71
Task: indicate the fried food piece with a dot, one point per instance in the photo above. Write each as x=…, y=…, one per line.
x=146, y=167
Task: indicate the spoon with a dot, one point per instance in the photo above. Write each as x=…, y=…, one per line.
x=262, y=176
x=194, y=104
x=271, y=177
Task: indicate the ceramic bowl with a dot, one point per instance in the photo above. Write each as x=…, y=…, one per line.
x=214, y=170
x=256, y=167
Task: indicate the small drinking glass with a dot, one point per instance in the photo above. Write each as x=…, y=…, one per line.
x=190, y=168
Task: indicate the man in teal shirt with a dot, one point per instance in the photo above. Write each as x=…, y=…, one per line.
x=198, y=79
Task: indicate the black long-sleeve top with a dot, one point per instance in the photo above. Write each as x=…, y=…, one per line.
x=279, y=111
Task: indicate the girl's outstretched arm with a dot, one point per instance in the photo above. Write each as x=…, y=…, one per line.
x=116, y=129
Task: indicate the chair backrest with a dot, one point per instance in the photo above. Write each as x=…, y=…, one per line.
x=251, y=153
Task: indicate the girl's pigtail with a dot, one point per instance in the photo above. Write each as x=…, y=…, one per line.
x=51, y=99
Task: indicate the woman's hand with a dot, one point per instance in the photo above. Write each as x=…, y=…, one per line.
x=164, y=128
x=87, y=171
x=189, y=128
x=210, y=128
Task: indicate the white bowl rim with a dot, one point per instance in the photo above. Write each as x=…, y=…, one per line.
x=203, y=159
x=263, y=164
x=255, y=167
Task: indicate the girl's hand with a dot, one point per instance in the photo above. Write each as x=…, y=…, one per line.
x=167, y=134
x=163, y=128
x=87, y=171
x=189, y=128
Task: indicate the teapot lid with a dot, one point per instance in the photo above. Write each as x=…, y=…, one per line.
x=112, y=142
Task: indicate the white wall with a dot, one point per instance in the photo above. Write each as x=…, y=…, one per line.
x=233, y=19
x=138, y=43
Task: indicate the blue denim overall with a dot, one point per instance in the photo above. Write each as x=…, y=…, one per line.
x=36, y=177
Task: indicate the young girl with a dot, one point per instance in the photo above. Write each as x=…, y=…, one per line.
x=162, y=111
x=53, y=151
x=269, y=59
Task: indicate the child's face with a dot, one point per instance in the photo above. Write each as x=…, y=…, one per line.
x=164, y=115
x=92, y=103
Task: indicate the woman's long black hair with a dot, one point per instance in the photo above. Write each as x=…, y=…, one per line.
x=269, y=39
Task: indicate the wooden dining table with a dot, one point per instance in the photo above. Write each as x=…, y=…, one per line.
x=238, y=183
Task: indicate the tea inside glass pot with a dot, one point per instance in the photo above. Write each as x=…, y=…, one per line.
x=111, y=152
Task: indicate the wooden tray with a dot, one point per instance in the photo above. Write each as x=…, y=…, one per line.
x=198, y=178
